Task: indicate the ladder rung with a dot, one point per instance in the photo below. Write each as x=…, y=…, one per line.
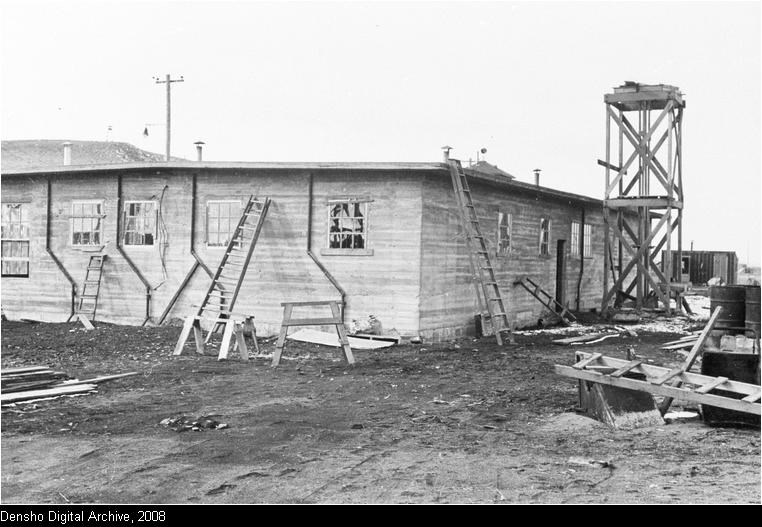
x=88, y=296
x=498, y=315
x=91, y=282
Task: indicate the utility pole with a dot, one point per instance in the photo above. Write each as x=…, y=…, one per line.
x=168, y=81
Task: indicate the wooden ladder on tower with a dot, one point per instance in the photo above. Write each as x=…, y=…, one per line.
x=545, y=299
x=88, y=300
x=220, y=299
x=485, y=281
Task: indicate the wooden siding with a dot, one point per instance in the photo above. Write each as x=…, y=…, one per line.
x=385, y=284
x=448, y=301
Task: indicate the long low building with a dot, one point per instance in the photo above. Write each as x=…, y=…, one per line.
x=387, y=237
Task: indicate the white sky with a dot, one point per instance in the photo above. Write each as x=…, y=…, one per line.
x=384, y=81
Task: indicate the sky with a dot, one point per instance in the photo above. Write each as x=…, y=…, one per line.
x=396, y=81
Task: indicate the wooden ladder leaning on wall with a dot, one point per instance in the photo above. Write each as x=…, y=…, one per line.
x=220, y=299
x=88, y=300
x=485, y=281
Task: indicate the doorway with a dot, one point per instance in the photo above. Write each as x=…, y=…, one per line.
x=561, y=272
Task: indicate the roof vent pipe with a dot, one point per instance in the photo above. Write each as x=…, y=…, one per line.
x=537, y=176
x=446, y=153
x=199, y=147
x=67, y=154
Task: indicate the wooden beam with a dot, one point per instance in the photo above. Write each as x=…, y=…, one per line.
x=653, y=202
x=584, y=362
x=706, y=388
x=627, y=367
x=693, y=354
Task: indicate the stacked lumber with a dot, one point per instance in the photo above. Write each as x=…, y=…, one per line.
x=32, y=378
x=39, y=382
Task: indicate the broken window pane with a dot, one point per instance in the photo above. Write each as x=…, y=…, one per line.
x=347, y=225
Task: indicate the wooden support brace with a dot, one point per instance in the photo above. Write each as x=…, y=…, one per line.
x=592, y=358
x=706, y=388
x=85, y=322
x=184, y=334
x=627, y=367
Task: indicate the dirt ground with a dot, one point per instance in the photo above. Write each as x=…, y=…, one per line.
x=461, y=422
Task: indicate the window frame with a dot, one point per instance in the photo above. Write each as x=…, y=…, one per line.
x=547, y=241
x=574, y=238
x=365, y=201
x=24, y=227
x=231, y=233
x=499, y=251
x=100, y=217
x=124, y=224
x=587, y=241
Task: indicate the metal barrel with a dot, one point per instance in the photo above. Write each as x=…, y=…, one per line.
x=752, y=310
x=732, y=298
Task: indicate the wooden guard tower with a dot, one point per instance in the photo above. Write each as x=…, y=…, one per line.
x=643, y=204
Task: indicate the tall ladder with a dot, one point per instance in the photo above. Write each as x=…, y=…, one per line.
x=88, y=300
x=220, y=299
x=223, y=292
x=487, y=289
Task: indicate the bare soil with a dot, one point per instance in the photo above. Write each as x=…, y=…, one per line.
x=461, y=422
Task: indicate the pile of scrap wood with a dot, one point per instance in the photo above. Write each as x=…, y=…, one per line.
x=39, y=382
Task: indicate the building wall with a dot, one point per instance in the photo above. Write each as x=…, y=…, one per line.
x=385, y=284
x=448, y=297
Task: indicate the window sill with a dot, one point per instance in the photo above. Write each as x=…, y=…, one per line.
x=89, y=248
x=346, y=252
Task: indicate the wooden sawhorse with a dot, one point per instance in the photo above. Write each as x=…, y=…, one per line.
x=335, y=320
x=235, y=325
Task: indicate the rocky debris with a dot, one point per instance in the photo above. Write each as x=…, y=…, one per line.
x=184, y=423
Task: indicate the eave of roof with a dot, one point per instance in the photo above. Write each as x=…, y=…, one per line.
x=500, y=181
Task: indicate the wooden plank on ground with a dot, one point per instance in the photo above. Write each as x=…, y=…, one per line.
x=41, y=394
x=13, y=371
x=685, y=344
x=581, y=338
x=96, y=380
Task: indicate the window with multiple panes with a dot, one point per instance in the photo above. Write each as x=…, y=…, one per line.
x=347, y=224
x=575, y=238
x=15, y=239
x=87, y=223
x=139, y=222
x=587, y=250
x=222, y=217
x=544, y=236
x=504, y=224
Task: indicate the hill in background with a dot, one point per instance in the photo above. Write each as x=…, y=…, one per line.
x=37, y=153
